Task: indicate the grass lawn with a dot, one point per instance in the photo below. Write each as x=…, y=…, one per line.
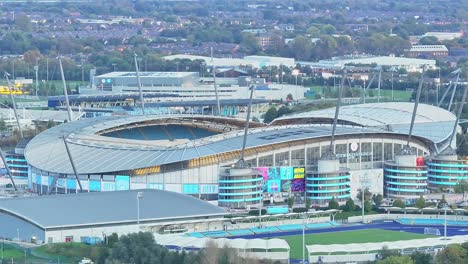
x=69, y=252
x=347, y=237
x=385, y=94
x=17, y=254
x=11, y=252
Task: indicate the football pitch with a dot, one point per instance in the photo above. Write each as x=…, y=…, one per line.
x=347, y=237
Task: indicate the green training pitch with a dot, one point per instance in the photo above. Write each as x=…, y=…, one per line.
x=347, y=237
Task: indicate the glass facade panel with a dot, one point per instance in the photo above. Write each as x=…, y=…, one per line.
x=282, y=158
x=297, y=157
x=265, y=161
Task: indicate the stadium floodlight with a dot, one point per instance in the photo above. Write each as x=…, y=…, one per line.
x=13, y=102
x=72, y=163
x=140, y=91
x=415, y=109
x=65, y=92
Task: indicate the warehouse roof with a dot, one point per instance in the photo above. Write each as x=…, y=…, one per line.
x=99, y=208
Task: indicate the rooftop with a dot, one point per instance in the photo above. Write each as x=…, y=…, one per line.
x=147, y=74
x=100, y=208
x=428, y=48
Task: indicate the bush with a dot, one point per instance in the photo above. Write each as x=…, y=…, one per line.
x=255, y=212
x=299, y=210
x=333, y=204
x=349, y=206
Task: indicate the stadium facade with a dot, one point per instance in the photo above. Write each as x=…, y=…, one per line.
x=189, y=154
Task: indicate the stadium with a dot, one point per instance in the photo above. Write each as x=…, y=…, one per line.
x=187, y=153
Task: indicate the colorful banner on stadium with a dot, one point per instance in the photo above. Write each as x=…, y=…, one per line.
x=286, y=173
x=299, y=173
x=274, y=186
x=263, y=171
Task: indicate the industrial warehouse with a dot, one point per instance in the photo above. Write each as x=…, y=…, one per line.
x=189, y=154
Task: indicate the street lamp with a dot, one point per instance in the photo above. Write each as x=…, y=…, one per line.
x=139, y=196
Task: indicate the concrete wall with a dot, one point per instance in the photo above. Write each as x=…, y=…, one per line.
x=56, y=236
x=374, y=181
x=369, y=218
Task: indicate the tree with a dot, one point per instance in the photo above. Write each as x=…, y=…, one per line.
x=250, y=43
x=367, y=195
x=283, y=110
x=429, y=40
x=307, y=204
x=385, y=253
x=462, y=187
x=349, y=206
x=301, y=48
x=313, y=32
x=137, y=248
x=377, y=199
x=290, y=202
x=333, y=204
x=452, y=254
x=420, y=203
x=442, y=202
x=421, y=258
x=367, y=206
x=398, y=203
x=23, y=23
x=3, y=126
x=270, y=115
x=255, y=119
x=397, y=260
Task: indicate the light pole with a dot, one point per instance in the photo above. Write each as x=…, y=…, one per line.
x=139, y=196
x=364, y=185
x=260, y=186
x=303, y=237
x=36, y=69
x=393, y=98
x=445, y=221
x=82, y=70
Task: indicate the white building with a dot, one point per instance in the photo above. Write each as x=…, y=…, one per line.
x=410, y=64
x=254, y=61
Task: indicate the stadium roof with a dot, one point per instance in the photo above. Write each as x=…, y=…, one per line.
x=433, y=123
x=93, y=153
x=99, y=208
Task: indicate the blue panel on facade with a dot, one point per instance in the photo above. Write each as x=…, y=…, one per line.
x=71, y=184
x=38, y=179
x=190, y=188
x=50, y=180
x=157, y=186
x=95, y=186
x=108, y=186
x=209, y=188
x=61, y=183
x=286, y=173
x=122, y=183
